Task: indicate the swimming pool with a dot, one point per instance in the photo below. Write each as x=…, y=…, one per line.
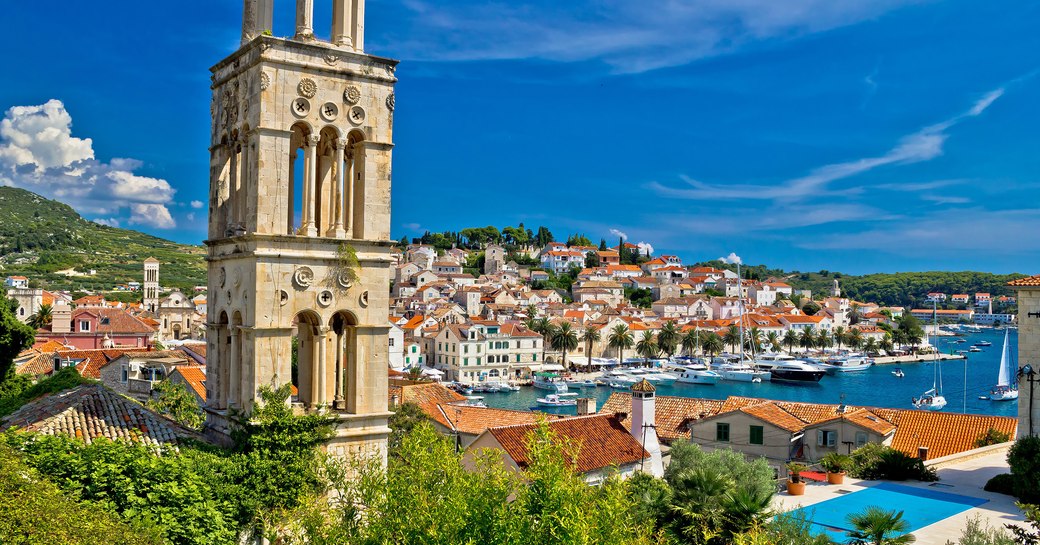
x=920, y=507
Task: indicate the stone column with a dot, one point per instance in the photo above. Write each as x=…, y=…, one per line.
x=315, y=363
x=290, y=227
x=342, y=23
x=359, y=25
x=265, y=16
x=232, y=204
x=337, y=230
x=338, y=402
x=348, y=208
x=234, y=363
x=323, y=368
x=310, y=201
x=304, y=19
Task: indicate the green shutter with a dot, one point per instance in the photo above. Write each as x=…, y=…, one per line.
x=756, y=435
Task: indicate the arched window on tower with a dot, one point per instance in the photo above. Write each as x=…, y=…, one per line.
x=297, y=178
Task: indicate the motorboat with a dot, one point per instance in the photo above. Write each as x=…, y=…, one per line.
x=785, y=368
x=983, y=343
x=558, y=400
x=846, y=364
x=581, y=384
x=461, y=388
x=898, y=373
x=549, y=381
x=974, y=349
x=617, y=376
x=1006, y=388
x=965, y=351
x=474, y=401
x=742, y=372
x=654, y=377
x=697, y=374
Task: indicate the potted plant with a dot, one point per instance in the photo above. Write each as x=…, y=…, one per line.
x=795, y=484
x=835, y=464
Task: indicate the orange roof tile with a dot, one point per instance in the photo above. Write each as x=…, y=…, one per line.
x=195, y=378
x=945, y=433
x=672, y=415
x=771, y=413
x=600, y=439
x=1029, y=281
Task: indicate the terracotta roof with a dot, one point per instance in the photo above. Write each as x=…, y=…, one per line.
x=771, y=413
x=91, y=411
x=945, y=433
x=194, y=378
x=474, y=420
x=199, y=349
x=119, y=320
x=601, y=441
x=1029, y=281
x=644, y=386
x=672, y=414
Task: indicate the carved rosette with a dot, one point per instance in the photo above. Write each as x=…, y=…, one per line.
x=363, y=299
x=352, y=94
x=265, y=81
x=303, y=277
x=307, y=88
x=390, y=102
x=344, y=280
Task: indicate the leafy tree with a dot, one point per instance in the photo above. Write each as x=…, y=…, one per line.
x=41, y=318
x=405, y=419
x=64, y=379
x=590, y=336
x=640, y=297
x=791, y=340
x=840, y=336
x=1024, y=460
x=1023, y=535
x=564, y=339
x=807, y=338
x=620, y=339
x=855, y=339
x=647, y=346
x=877, y=526
x=591, y=260
x=14, y=337
x=772, y=340
x=578, y=240
x=732, y=337
x=175, y=401
x=543, y=327
x=691, y=341
x=810, y=308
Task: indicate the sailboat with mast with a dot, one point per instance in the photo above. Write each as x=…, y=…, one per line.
x=1006, y=388
x=933, y=399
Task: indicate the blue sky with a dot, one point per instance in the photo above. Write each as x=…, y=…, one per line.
x=857, y=136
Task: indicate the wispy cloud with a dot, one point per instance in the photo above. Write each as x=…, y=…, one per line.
x=924, y=145
x=628, y=37
x=619, y=233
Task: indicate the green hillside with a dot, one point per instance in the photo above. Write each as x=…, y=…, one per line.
x=39, y=237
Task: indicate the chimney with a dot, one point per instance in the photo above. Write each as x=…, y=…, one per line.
x=922, y=453
x=586, y=406
x=643, y=427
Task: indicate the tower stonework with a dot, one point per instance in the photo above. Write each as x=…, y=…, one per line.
x=150, y=286
x=299, y=225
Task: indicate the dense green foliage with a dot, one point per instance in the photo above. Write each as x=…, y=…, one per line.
x=976, y=532
x=33, y=511
x=175, y=401
x=57, y=382
x=39, y=236
x=1031, y=535
x=875, y=461
x=406, y=417
x=879, y=526
x=14, y=337
x=991, y=437
x=1024, y=459
x=1001, y=484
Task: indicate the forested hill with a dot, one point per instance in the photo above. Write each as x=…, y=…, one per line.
x=39, y=237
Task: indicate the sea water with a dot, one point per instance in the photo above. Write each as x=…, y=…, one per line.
x=875, y=387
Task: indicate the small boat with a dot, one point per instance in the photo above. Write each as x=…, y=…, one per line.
x=549, y=381
x=581, y=384
x=847, y=364
x=983, y=343
x=959, y=341
x=742, y=372
x=697, y=374
x=964, y=351
x=1006, y=388
x=983, y=397
x=933, y=399
x=898, y=373
x=474, y=401
x=558, y=400
x=974, y=349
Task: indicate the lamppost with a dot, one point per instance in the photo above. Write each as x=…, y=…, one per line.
x=1029, y=374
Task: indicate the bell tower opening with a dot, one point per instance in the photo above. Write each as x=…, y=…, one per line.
x=300, y=178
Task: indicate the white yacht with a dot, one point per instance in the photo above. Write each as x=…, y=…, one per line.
x=655, y=377
x=1006, y=388
x=742, y=372
x=549, y=381
x=697, y=373
x=787, y=369
x=846, y=364
x=558, y=400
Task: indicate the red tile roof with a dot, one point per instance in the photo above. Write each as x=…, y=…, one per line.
x=1029, y=281
x=601, y=441
x=194, y=378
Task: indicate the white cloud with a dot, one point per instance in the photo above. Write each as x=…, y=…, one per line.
x=618, y=233
x=412, y=226
x=923, y=145
x=628, y=37
x=39, y=153
x=645, y=248
x=732, y=259
x=197, y=204
x=191, y=216
x=151, y=215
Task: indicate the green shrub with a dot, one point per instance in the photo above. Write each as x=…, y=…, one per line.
x=836, y=462
x=1024, y=459
x=1001, y=484
x=991, y=437
x=875, y=461
x=60, y=381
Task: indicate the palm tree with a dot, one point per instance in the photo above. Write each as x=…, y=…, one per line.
x=647, y=347
x=877, y=526
x=886, y=343
x=668, y=338
x=773, y=340
x=855, y=339
x=754, y=340
x=732, y=337
x=543, y=327
x=620, y=338
x=564, y=339
x=839, y=336
x=807, y=338
x=712, y=343
x=871, y=345
x=824, y=339
x=532, y=312
x=41, y=318
x=691, y=341
x=590, y=337
x=791, y=340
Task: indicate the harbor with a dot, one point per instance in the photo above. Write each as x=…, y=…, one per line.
x=964, y=379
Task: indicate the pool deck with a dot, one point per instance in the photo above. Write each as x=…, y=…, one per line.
x=965, y=478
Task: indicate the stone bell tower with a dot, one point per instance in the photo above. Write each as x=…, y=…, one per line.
x=299, y=224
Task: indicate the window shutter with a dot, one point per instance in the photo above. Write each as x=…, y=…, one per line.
x=819, y=438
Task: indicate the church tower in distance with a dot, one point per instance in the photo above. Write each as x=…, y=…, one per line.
x=299, y=225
